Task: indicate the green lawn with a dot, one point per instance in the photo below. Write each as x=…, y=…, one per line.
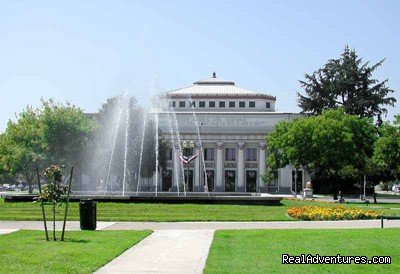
x=175, y=212
x=82, y=252
x=260, y=251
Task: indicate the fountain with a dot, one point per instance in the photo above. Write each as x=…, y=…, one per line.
x=130, y=153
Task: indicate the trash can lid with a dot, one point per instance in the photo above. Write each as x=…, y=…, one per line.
x=86, y=201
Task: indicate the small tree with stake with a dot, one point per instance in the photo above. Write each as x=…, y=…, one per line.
x=54, y=194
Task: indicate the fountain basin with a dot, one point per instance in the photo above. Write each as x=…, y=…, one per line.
x=167, y=197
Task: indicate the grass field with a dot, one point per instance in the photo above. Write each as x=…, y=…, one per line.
x=176, y=212
x=82, y=252
x=260, y=251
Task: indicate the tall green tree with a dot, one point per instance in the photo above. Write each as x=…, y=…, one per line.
x=22, y=146
x=387, y=149
x=51, y=134
x=334, y=145
x=346, y=82
x=66, y=132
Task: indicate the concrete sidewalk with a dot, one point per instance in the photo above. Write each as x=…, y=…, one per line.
x=165, y=251
x=74, y=225
x=38, y=225
x=6, y=231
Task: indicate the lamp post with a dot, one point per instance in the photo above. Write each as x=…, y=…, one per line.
x=295, y=182
x=188, y=158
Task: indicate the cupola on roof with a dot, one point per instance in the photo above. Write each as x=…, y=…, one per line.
x=216, y=87
x=214, y=81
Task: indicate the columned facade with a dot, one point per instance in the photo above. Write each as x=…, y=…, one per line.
x=221, y=170
x=197, y=171
x=226, y=128
x=176, y=171
x=240, y=167
x=219, y=167
x=262, y=158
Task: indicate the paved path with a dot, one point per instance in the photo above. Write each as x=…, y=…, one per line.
x=251, y=225
x=6, y=231
x=38, y=225
x=207, y=225
x=165, y=251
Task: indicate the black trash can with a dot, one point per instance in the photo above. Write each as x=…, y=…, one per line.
x=87, y=213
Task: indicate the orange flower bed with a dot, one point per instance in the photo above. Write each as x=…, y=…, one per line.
x=319, y=213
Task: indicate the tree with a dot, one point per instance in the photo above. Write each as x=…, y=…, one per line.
x=387, y=149
x=149, y=151
x=346, y=82
x=54, y=133
x=66, y=132
x=334, y=145
x=22, y=146
x=117, y=140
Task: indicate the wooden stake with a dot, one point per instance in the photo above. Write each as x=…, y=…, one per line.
x=42, y=206
x=67, y=203
x=54, y=221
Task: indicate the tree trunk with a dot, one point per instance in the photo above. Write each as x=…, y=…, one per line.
x=334, y=189
x=29, y=182
x=54, y=221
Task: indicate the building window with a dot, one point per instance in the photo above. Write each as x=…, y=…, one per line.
x=202, y=104
x=170, y=153
x=268, y=105
x=242, y=104
x=171, y=104
x=182, y=104
x=231, y=104
x=252, y=104
x=230, y=154
x=192, y=104
x=221, y=104
x=251, y=154
x=209, y=154
x=211, y=104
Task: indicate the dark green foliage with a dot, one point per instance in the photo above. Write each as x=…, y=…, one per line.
x=387, y=149
x=346, y=82
x=334, y=145
x=53, y=133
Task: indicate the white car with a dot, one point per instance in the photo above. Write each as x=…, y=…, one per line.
x=396, y=188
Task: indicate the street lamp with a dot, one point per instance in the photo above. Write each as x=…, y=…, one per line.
x=295, y=182
x=186, y=159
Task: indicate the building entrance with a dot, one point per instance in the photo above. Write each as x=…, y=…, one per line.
x=166, y=180
x=230, y=178
x=189, y=185
x=251, y=181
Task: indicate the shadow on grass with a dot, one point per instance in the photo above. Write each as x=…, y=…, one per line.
x=72, y=240
x=66, y=240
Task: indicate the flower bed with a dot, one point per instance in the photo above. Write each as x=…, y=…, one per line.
x=319, y=213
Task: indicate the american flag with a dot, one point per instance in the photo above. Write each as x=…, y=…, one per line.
x=187, y=159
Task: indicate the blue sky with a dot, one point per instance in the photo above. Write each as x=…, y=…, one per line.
x=87, y=51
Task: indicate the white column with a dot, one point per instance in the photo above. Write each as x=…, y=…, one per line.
x=196, y=167
x=219, y=167
x=241, y=167
x=261, y=163
x=176, y=167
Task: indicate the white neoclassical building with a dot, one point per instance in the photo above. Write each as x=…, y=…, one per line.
x=232, y=123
